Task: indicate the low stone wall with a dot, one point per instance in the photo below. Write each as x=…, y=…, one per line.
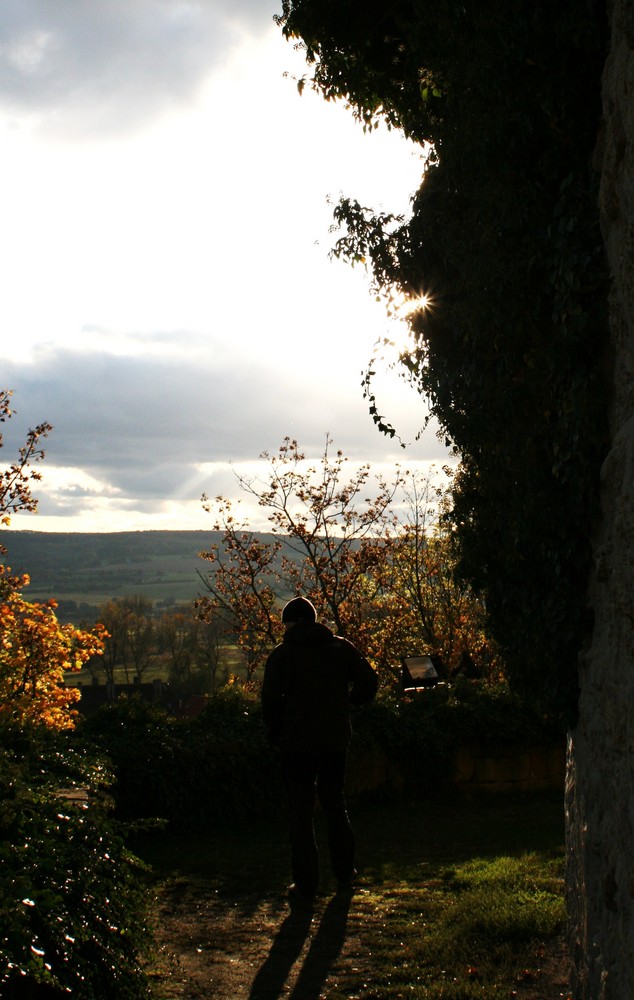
x=500, y=768
x=494, y=768
x=369, y=770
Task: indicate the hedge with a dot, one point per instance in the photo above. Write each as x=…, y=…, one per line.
x=219, y=768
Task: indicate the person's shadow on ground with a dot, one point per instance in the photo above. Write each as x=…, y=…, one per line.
x=287, y=946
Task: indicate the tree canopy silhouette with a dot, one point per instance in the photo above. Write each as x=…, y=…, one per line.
x=503, y=255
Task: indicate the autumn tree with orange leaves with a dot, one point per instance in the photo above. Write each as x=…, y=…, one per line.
x=378, y=570
x=241, y=586
x=326, y=536
x=35, y=653
x=72, y=905
x=438, y=614
x=35, y=649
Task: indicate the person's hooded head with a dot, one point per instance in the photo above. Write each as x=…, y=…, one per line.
x=299, y=611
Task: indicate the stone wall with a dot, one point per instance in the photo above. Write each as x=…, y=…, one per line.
x=600, y=779
x=476, y=768
x=502, y=769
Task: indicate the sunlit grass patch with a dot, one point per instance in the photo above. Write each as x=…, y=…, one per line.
x=466, y=934
x=506, y=900
x=456, y=901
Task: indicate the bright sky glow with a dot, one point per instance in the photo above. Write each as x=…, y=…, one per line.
x=168, y=302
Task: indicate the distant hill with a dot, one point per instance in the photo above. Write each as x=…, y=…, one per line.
x=84, y=570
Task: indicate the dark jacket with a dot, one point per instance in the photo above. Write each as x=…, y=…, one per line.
x=310, y=681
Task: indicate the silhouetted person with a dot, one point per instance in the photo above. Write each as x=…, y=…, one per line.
x=310, y=681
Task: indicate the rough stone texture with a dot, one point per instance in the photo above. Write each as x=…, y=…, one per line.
x=600, y=778
x=476, y=768
x=501, y=768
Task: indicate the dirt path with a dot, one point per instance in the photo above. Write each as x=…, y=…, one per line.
x=258, y=950
x=226, y=931
x=265, y=949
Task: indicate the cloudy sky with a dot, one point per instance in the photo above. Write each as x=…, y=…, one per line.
x=168, y=303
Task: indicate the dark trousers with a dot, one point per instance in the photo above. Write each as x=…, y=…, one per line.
x=324, y=773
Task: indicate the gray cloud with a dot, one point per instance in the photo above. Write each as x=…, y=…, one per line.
x=143, y=424
x=128, y=411
x=108, y=64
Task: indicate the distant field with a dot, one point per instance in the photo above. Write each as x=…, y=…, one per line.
x=167, y=591
x=231, y=662
x=89, y=569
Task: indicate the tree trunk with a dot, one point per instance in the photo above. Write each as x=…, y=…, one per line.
x=600, y=779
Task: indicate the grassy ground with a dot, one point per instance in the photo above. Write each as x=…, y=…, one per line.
x=460, y=901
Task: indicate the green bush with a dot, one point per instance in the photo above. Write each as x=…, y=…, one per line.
x=219, y=768
x=196, y=774
x=72, y=906
x=143, y=747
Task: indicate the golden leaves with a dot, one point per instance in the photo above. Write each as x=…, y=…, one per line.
x=36, y=651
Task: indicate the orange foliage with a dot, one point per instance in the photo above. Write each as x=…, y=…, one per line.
x=36, y=651
x=377, y=562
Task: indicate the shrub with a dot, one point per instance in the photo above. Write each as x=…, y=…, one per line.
x=143, y=747
x=196, y=774
x=219, y=767
x=71, y=896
